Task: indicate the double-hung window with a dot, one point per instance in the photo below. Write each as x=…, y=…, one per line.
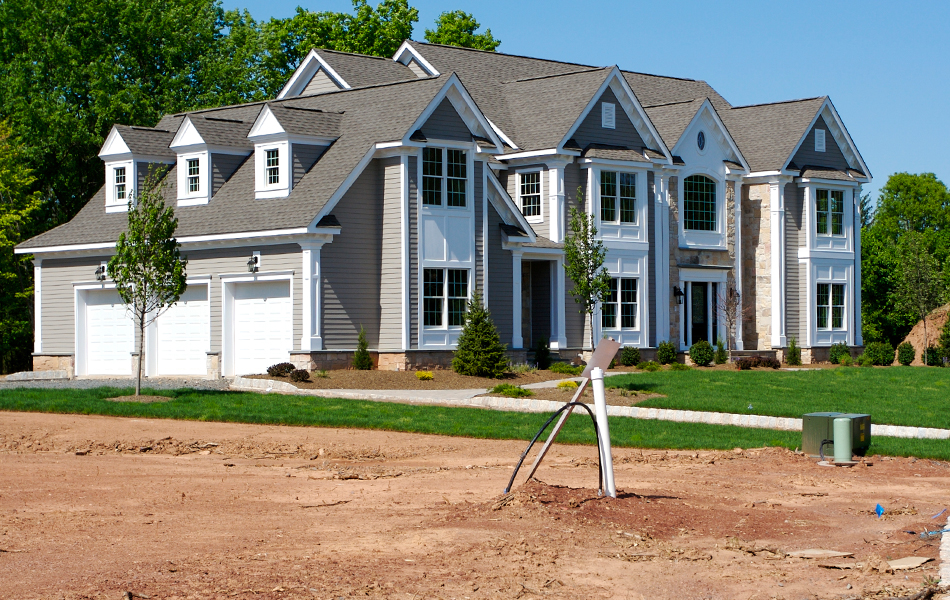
x=445, y=294
x=193, y=174
x=830, y=304
x=620, y=303
x=444, y=176
x=531, y=194
x=618, y=197
x=699, y=203
x=272, y=166
x=120, y=183
x=829, y=210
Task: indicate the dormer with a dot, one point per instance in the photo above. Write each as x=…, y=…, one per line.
x=129, y=154
x=208, y=150
x=409, y=56
x=288, y=141
x=313, y=76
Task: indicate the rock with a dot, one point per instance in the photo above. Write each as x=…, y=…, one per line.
x=818, y=553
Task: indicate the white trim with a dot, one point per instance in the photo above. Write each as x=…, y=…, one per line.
x=777, y=271
x=517, y=342
x=466, y=108
x=227, y=302
x=404, y=227
x=485, y=201
x=509, y=207
x=695, y=239
x=306, y=72
x=519, y=174
x=501, y=134
x=407, y=47
x=837, y=183
x=37, y=305
x=311, y=336
x=711, y=111
x=858, y=332
x=828, y=107
x=557, y=219
x=533, y=153
x=586, y=163
x=737, y=226
x=661, y=254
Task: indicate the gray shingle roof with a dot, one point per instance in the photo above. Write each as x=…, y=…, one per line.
x=360, y=70
x=148, y=141
x=672, y=119
x=305, y=121
x=767, y=133
x=653, y=90
x=220, y=130
x=373, y=114
x=613, y=153
x=826, y=173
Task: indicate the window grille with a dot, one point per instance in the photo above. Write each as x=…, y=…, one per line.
x=699, y=203
x=120, y=183
x=531, y=194
x=273, y=167
x=193, y=175
x=829, y=210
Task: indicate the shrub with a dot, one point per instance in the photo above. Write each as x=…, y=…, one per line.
x=906, y=354
x=512, y=391
x=649, y=366
x=280, y=369
x=837, y=351
x=769, y=362
x=721, y=356
x=679, y=366
x=362, y=361
x=666, y=353
x=944, y=340
x=863, y=360
x=744, y=364
x=880, y=353
x=480, y=352
x=701, y=353
x=629, y=356
x=542, y=353
x=793, y=356
x=424, y=375
x=934, y=356
x=567, y=385
x=846, y=361
x=565, y=369
x=322, y=373
x=299, y=375
x=521, y=368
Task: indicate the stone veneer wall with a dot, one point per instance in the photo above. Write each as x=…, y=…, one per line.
x=756, y=268
x=55, y=362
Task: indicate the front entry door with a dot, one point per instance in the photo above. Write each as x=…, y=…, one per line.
x=699, y=312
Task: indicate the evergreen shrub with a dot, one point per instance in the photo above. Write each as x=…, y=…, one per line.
x=424, y=375
x=934, y=356
x=880, y=353
x=362, y=361
x=906, y=354
x=721, y=356
x=566, y=369
x=701, y=353
x=280, y=369
x=666, y=353
x=300, y=375
x=793, y=356
x=650, y=366
x=629, y=356
x=542, y=353
x=480, y=352
x=837, y=351
x=679, y=366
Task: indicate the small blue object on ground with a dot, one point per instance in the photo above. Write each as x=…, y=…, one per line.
x=939, y=513
x=879, y=510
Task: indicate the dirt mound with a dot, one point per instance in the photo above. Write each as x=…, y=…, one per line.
x=935, y=321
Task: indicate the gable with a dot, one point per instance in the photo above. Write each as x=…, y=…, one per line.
x=416, y=68
x=718, y=145
x=320, y=83
x=187, y=135
x=624, y=133
x=832, y=157
x=445, y=124
x=114, y=145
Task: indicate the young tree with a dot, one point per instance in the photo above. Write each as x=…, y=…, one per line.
x=919, y=286
x=729, y=309
x=147, y=268
x=584, y=256
x=457, y=28
x=479, y=352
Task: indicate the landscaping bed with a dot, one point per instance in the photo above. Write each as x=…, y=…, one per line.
x=351, y=379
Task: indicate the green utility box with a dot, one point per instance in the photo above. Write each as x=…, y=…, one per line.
x=817, y=427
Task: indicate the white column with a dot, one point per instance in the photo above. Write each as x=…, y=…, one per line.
x=404, y=227
x=516, y=341
x=858, y=336
x=37, y=305
x=560, y=341
x=661, y=248
x=777, y=249
x=738, y=270
x=556, y=204
x=311, y=336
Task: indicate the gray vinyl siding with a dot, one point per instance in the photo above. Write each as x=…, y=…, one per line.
x=390, y=287
x=500, y=278
x=351, y=265
x=141, y=172
x=320, y=83
x=590, y=130
x=413, y=252
x=795, y=279
x=831, y=157
x=222, y=167
x=58, y=302
x=417, y=69
x=478, y=202
x=575, y=322
x=304, y=156
x=445, y=124
x=650, y=301
x=540, y=300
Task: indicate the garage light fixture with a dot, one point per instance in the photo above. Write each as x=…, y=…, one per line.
x=254, y=263
x=101, y=273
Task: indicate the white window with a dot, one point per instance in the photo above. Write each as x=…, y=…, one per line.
x=444, y=177
x=194, y=172
x=619, y=309
x=608, y=115
x=830, y=303
x=829, y=212
x=530, y=192
x=272, y=166
x=445, y=295
x=699, y=204
x=618, y=197
x=120, y=193
x=819, y=140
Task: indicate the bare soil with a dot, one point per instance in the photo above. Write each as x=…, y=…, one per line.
x=935, y=321
x=93, y=507
x=614, y=396
x=351, y=379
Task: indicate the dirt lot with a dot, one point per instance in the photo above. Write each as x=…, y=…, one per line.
x=92, y=507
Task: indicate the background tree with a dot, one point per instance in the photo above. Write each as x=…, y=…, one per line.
x=479, y=352
x=584, y=256
x=457, y=28
x=147, y=268
x=919, y=283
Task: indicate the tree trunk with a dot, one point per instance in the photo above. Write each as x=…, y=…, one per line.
x=926, y=342
x=138, y=377
x=591, y=316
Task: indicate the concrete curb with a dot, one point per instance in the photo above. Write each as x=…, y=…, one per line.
x=473, y=398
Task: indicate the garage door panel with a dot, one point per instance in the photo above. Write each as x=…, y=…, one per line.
x=110, y=336
x=183, y=334
x=263, y=330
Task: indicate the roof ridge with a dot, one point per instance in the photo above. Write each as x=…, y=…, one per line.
x=704, y=98
x=549, y=60
x=141, y=128
x=351, y=53
x=316, y=110
x=664, y=76
x=590, y=70
x=223, y=120
x=779, y=102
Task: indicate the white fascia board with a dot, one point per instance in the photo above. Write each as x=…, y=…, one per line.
x=501, y=134
x=586, y=163
x=533, y=153
x=187, y=136
x=406, y=53
x=115, y=147
x=466, y=108
x=827, y=105
x=312, y=140
x=616, y=75
x=829, y=182
x=711, y=111
x=510, y=207
x=307, y=69
x=830, y=107
x=266, y=124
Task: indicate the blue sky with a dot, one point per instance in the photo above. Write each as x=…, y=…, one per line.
x=886, y=65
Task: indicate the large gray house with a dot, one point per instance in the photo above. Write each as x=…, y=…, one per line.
x=381, y=193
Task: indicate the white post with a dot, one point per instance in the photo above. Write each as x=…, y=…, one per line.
x=777, y=248
x=516, y=341
x=858, y=336
x=311, y=337
x=738, y=269
x=661, y=237
x=603, y=429
x=556, y=214
x=38, y=305
x=560, y=299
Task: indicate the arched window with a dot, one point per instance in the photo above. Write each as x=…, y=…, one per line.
x=699, y=203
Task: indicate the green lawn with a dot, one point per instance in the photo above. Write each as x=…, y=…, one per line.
x=274, y=409
x=892, y=395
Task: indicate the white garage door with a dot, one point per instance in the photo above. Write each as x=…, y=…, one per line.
x=183, y=335
x=263, y=328
x=109, y=334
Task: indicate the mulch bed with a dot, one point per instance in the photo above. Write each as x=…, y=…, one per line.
x=407, y=380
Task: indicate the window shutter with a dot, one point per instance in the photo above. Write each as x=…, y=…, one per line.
x=608, y=113
x=819, y=140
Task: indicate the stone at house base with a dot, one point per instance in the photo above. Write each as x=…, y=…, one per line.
x=38, y=375
x=54, y=362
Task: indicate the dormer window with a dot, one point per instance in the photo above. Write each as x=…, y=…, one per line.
x=444, y=175
x=193, y=176
x=120, y=183
x=194, y=184
x=273, y=167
